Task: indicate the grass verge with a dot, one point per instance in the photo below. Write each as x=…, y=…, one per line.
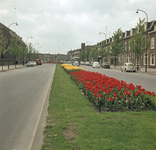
x=73, y=124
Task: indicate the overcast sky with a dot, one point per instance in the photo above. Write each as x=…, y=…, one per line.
x=62, y=25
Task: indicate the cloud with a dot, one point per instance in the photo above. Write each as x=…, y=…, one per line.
x=68, y=23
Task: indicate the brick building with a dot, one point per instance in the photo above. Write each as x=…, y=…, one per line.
x=7, y=57
x=129, y=56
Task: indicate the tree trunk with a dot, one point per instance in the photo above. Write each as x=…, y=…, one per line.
x=8, y=60
x=2, y=61
x=15, y=61
x=137, y=63
x=115, y=62
x=23, y=61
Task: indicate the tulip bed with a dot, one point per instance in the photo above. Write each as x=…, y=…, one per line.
x=70, y=68
x=113, y=94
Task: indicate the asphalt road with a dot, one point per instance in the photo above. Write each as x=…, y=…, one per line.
x=147, y=81
x=22, y=96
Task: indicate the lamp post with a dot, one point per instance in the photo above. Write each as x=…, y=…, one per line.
x=38, y=47
x=35, y=44
x=13, y=23
x=103, y=33
x=146, y=36
x=88, y=42
x=26, y=44
x=27, y=38
x=8, y=51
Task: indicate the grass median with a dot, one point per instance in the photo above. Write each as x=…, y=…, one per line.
x=73, y=124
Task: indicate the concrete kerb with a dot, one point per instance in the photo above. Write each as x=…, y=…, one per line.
x=11, y=67
x=35, y=140
x=150, y=71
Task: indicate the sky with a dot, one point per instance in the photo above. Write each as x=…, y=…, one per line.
x=58, y=26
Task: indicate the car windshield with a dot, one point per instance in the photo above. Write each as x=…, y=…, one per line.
x=130, y=64
x=106, y=63
x=95, y=62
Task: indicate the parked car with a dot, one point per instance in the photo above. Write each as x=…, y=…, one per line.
x=76, y=63
x=35, y=64
x=30, y=64
x=128, y=67
x=105, y=65
x=87, y=63
x=82, y=62
x=91, y=64
x=96, y=65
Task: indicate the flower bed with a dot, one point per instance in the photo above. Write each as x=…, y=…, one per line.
x=70, y=68
x=113, y=94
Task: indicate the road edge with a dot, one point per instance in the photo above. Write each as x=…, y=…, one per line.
x=41, y=113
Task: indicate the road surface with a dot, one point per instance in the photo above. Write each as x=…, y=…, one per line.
x=22, y=96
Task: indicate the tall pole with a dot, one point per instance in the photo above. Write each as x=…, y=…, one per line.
x=103, y=33
x=26, y=44
x=27, y=38
x=146, y=36
x=13, y=23
x=35, y=44
x=8, y=51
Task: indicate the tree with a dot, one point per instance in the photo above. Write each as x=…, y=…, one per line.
x=23, y=51
x=93, y=54
x=103, y=52
x=82, y=55
x=87, y=52
x=29, y=51
x=117, y=46
x=3, y=45
x=138, y=40
x=14, y=48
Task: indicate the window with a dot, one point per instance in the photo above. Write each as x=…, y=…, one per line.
x=129, y=48
x=155, y=27
x=144, y=59
x=125, y=46
x=152, y=59
x=152, y=43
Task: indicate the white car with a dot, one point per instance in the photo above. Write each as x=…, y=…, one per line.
x=128, y=67
x=35, y=64
x=96, y=65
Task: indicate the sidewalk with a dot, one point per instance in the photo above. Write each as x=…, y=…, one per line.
x=142, y=70
x=11, y=67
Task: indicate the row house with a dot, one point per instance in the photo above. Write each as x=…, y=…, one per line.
x=7, y=57
x=52, y=57
x=128, y=55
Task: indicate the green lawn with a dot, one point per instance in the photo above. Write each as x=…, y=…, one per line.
x=73, y=124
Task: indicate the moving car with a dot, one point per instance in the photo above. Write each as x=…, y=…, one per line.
x=128, y=67
x=96, y=65
x=105, y=65
x=30, y=64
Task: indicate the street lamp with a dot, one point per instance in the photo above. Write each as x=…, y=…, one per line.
x=8, y=51
x=88, y=42
x=35, y=44
x=13, y=23
x=103, y=33
x=27, y=38
x=146, y=35
x=38, y=47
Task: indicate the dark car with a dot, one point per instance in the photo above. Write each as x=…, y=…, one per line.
x=105, y=65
